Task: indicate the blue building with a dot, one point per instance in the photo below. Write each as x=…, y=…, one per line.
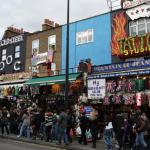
x=89, y=38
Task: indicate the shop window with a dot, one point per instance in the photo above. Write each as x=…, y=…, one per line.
x=17, y=51
x=52, y=42
x=139, y=27
x=35, y=47
x=3, y=54
x=84, y=37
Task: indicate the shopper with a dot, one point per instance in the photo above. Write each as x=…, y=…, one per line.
x=5, y=120
x=94, y=126
x=62, y=127
x=84, y=125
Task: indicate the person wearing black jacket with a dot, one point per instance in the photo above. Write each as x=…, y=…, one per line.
x=84, y=125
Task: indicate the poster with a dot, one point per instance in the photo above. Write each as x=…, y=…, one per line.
x=96, y=88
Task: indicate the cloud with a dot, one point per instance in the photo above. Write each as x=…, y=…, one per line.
x=29, y=14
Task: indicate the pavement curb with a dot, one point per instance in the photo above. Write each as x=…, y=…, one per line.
x=42, y=143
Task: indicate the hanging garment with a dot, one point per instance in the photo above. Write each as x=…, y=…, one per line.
x=138, y=99
x=106, y=100
x=139, y=85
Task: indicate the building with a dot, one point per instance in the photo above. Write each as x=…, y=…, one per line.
x=89, y=39
x=43, y=52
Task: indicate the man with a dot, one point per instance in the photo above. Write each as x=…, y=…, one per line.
x=140, y=128
x=62, y=127
x=84, y=124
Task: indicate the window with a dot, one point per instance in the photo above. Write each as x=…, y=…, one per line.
x=3, y=54
x=52, y=42
x=35, y=47
x=17, y=51
x=84, y=37
x=139, y=27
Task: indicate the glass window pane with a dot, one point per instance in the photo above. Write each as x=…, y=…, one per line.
x=3, y=57
x=4, y=52
x=141, y=29
x=133, y=31
x=148, y=27
x=90, y=35
x=17, y=48
x=52, y=39
x=35, y=44
x=17, y=55
x=141, y=21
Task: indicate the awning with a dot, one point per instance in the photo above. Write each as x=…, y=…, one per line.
x=51, y=80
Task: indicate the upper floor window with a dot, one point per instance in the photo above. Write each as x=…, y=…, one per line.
x=35, y=47
x=84, y=36
x=3, y=54
x=139, y=27
x=17, y=51
x=52, y=42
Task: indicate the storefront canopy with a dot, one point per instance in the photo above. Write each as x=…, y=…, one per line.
x=51, y=80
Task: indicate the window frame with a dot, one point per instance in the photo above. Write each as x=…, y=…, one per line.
x=137, y=23
x=17, y=51
x=4, y=56
x=53, y=44
x=34, y=46
x=83, y=37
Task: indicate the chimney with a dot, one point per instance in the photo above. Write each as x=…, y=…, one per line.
x=48, y=24
x=15, y=30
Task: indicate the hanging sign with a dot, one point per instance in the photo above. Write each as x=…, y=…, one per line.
x=138, y=12
x=41, y=58
x=96, y=88
x=132, y=3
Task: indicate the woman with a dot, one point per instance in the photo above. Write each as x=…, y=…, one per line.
x=108, y=133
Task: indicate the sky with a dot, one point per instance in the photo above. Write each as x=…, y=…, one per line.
x=30, y=14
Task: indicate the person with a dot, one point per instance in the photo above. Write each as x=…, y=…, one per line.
x=5, y=120
x=25, y=124
x=108, y=133
x=62, y=127
x=84, y=125
x=118, y=126
x=140, y=129
x=70, y=124
x=94, y=126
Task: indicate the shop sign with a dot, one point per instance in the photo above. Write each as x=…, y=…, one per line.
x=41, y=58
x=138, y=12
x=141, y=64
x=9, y=61
x=11, y=40
x=119, y=74
x=15, y=76
x=96, y=88
x=135, y=46
x=132, y=3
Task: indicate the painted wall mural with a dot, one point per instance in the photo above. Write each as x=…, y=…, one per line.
x=118, y=26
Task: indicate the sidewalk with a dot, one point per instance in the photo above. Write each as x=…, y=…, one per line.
x=73, y=146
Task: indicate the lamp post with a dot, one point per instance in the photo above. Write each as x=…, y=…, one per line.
x=67, y=58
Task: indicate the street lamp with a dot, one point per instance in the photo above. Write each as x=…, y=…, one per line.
x=67, y=58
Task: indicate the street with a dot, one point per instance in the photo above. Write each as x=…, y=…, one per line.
x=6, y=144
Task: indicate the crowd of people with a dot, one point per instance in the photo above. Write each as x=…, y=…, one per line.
x=60, y=126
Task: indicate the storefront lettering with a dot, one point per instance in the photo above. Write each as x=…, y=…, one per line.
x=9, y=61
x=11, y=40
x=135, y=46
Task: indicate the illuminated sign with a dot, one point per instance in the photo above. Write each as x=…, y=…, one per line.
x=11, y=40
x=135, y=46
x=132, y=3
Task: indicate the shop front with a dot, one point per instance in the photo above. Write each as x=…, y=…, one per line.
x=48, y=92
x=125, y=86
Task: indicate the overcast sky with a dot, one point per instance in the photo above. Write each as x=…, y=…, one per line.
x=29, y=14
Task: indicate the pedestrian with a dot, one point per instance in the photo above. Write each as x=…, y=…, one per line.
x=62, y=127
x=84, y=125
x=25, y=125
x=94, y=126
x=108, y=133
x=140, y=128
x=5, y=120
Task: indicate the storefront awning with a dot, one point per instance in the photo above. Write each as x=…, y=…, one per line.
x=51, y=80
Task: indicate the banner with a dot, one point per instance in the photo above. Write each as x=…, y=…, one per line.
x=96, y=88
x=138, y=12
